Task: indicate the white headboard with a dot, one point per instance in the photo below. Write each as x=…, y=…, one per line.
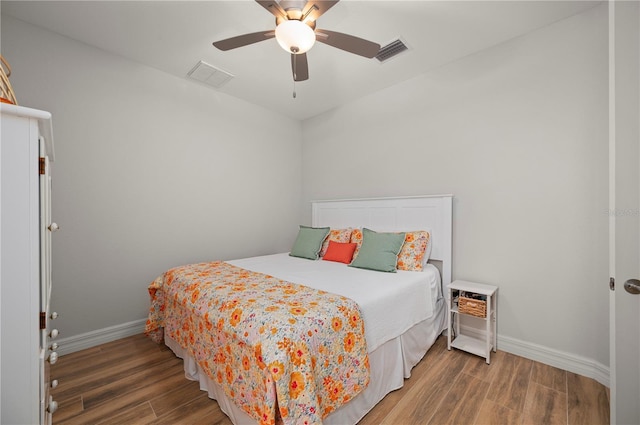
x=433, y=213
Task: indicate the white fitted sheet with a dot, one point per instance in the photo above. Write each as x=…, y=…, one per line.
x=391, y=303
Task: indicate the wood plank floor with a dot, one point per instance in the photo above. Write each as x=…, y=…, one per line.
x=135, y=381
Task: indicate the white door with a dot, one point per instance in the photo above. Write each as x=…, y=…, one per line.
x=624, y=60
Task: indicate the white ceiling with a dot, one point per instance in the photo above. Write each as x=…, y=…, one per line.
x=173, y=36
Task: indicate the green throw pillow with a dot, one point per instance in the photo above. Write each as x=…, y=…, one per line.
x=309, y=242
x=379, y=251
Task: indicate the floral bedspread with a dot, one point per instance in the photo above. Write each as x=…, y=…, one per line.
x=281, y=351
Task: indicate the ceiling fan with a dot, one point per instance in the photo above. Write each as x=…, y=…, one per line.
x=296, y=33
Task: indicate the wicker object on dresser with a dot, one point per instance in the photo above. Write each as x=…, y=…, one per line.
x=26, y=349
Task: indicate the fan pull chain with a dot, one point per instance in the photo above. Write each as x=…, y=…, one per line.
x=294, y=50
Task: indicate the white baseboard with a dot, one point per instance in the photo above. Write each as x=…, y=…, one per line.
x=562, y=360
x=91, y=339
x=556, y=358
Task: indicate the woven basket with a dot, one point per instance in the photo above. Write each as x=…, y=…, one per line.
x=6, y=91
x=472, y=307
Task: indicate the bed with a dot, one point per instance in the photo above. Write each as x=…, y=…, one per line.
x=379, y=325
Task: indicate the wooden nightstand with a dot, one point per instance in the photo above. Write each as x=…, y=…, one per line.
x=474, y=300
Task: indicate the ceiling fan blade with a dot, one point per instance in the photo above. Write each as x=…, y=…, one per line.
x=243, y=40
x=314, y=9
x=300, y=67
x=348, y=43
x=273, y=7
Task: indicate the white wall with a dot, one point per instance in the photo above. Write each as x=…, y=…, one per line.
x=151, y=171
x=518, y=133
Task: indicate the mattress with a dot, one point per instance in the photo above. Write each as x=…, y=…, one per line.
x=390, y=365
x=391, y=303
x=403, y=312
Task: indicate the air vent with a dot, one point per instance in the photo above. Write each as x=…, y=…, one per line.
x=390, y=50
x=209, y=75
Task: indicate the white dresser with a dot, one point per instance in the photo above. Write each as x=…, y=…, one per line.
x=26, y=346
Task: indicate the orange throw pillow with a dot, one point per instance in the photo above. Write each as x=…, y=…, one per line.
x=341, y=252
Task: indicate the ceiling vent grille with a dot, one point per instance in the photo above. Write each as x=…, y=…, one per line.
x=209, y=75
x=390, y=50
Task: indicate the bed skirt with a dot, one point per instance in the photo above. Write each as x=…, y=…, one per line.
x=391, y=363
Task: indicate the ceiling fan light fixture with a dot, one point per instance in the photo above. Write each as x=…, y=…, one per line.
x=295, y=36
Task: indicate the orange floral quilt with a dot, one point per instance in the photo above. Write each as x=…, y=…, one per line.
x=281, y=351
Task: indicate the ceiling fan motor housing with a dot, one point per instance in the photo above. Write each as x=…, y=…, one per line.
x=298, y=5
